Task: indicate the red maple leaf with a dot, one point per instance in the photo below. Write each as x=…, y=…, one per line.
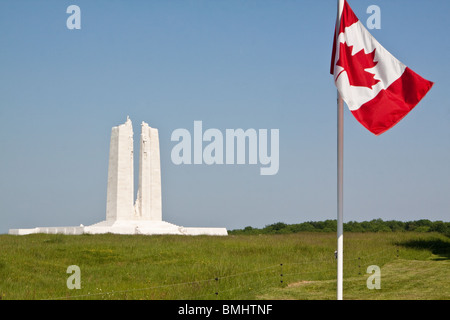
x=355, y=66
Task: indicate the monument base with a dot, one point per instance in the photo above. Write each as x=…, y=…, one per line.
x=125, y=227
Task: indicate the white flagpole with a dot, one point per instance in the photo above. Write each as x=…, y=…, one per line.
x=340, y=189
x=340, y=174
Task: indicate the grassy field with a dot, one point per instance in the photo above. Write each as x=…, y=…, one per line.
x=290, y=266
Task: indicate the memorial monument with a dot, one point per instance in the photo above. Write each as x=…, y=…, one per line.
x=123, y=214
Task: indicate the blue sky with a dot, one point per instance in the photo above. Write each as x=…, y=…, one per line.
x=231, y=64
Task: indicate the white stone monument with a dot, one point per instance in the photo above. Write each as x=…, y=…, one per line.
x=123, y=215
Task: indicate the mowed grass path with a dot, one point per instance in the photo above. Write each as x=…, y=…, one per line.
x=291, y=266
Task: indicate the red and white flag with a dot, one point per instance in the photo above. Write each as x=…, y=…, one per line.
x=378, y=89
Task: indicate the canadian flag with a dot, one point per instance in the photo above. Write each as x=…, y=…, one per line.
x=378, y=89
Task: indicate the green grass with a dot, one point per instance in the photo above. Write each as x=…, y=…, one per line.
x=289, y=266
x=400, y=280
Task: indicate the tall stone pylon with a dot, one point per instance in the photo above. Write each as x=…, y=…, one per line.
x=120, y=189
x=120, y=193
x=148, y=204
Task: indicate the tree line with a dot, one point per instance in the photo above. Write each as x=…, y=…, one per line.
x=376, y=225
